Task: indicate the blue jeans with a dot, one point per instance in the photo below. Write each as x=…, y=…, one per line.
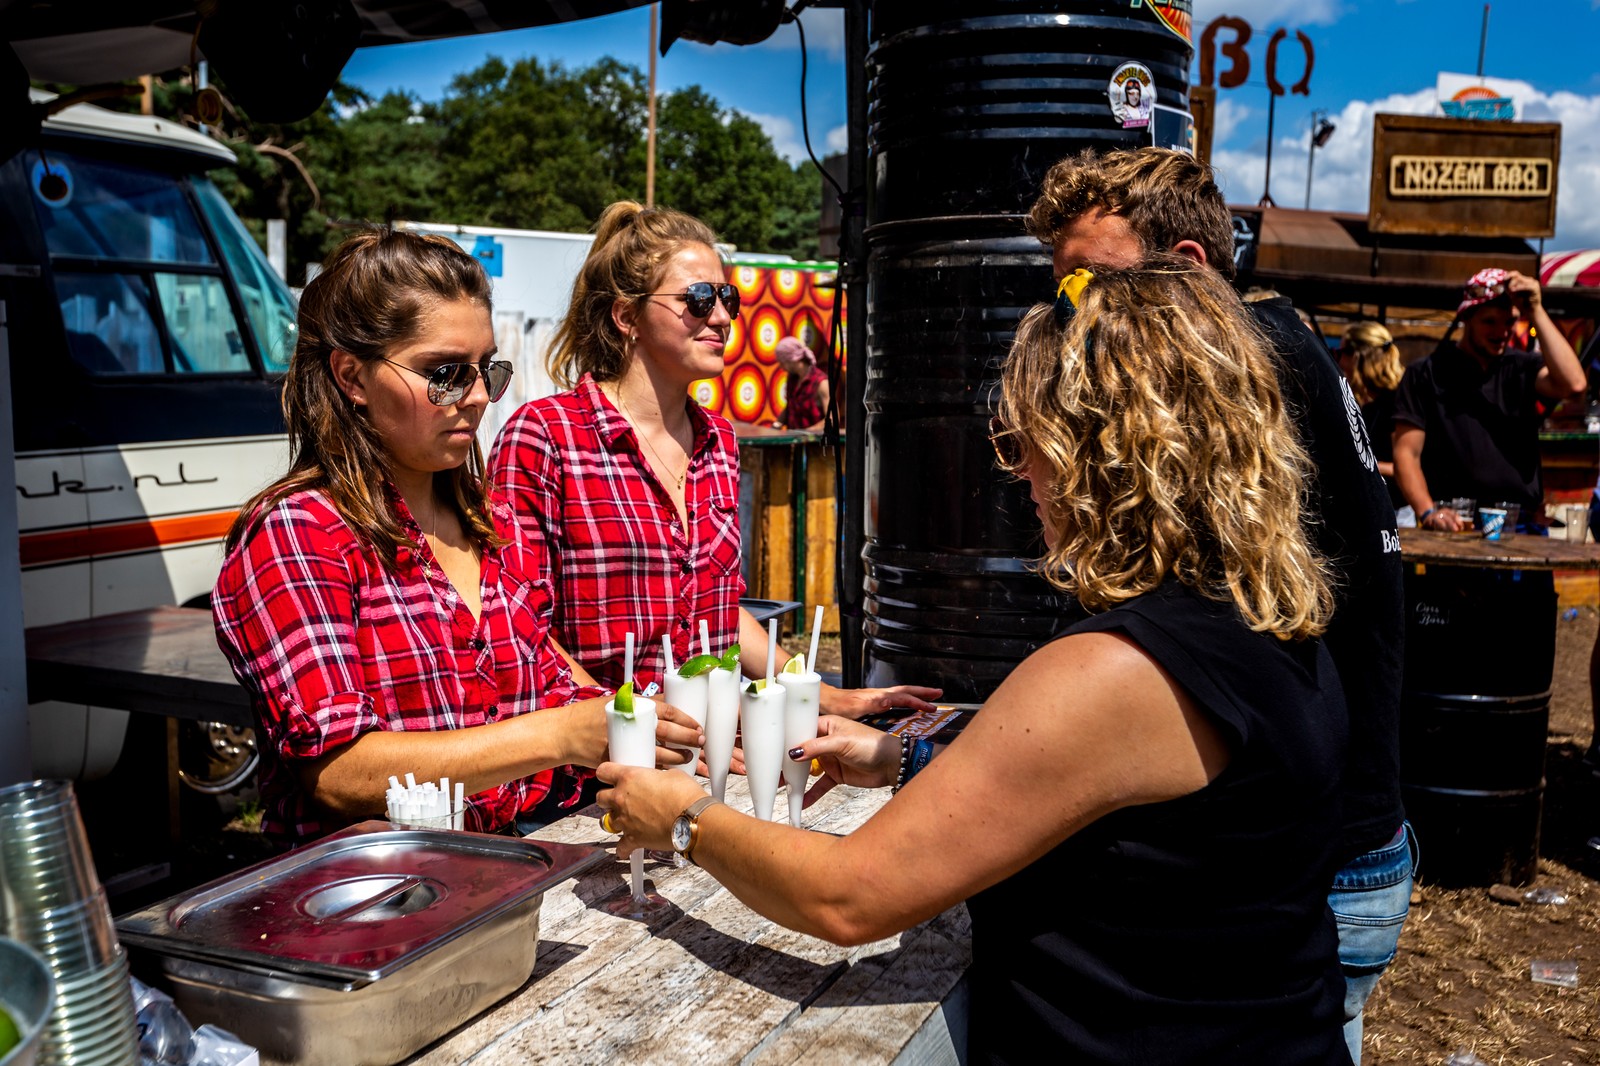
x=1370, y=899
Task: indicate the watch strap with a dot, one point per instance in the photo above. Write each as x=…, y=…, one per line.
x=693, y=812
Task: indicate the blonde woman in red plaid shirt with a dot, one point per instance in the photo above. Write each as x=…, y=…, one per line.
x=633, y=486
x=378, y=602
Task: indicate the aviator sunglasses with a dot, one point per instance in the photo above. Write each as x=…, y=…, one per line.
x=1007, y=448
x=701, y=296
x=448, y=383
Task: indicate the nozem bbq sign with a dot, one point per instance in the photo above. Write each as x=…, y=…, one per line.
x=1444, y=176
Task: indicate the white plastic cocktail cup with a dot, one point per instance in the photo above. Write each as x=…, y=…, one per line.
x=802, y=697
x=688, y=694
x=722, y=723
x=761, y=727
x=633, y=743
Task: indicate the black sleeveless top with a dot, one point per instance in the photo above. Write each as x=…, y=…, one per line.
x=1195, y=930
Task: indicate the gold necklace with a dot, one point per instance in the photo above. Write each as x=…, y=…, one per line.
x=637, y=432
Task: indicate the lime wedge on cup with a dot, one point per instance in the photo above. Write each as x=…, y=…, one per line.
x=698, y=665
x=797, y=665
x=758, y=685
x=730, y=658
x=622, y=703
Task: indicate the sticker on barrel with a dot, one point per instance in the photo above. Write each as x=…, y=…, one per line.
x=1132, y=93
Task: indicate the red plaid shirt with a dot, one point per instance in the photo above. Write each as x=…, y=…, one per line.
x=330, y=645
x=804, y=401
x=619, y=557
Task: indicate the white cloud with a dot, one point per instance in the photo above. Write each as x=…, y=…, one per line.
x=838, y=139
x=1228, y=117
x=824, y=29
x=1343, y=169
x=1263, y=14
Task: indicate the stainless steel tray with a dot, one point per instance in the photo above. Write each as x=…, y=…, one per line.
x=360, y=948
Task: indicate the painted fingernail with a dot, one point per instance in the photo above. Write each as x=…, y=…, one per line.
x=796, y=753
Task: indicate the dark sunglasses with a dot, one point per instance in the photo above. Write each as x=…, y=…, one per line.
x=447, y=384
x=1479, y=290
x=701, y=296
x=1007, y=448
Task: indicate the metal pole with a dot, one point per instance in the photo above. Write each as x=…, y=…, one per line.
x=16, y=760
x=1266, y=189
x=853, y=280
x=1483, y=39
x=1311, y=160
x=650, y=124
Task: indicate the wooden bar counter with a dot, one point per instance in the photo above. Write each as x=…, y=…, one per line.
x=709, y=980
x=1523, y=551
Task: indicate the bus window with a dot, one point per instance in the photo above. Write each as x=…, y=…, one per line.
x=118, y=212
x=205, y=337
x=266, y=299
x=109, y=330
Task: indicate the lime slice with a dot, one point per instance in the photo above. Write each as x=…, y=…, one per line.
x=797, y=665
x=730, y=658
x=622, y=703
x=10, y=1035
x=698, y=665
x=756, y=686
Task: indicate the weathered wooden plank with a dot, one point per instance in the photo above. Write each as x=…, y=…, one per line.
x=708, y=980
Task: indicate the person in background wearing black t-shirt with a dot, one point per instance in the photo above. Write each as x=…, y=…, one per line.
x=1466, y=419
x=1112, y=210
x=1143, y=816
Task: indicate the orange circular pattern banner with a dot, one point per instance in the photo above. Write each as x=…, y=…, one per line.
x=766, y=330
x=708, y=393
x=747, y=393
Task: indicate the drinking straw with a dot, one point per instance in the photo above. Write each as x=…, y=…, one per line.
x=816, y=630
x=411, y=780
x=461, y=805
x=772, y=647
x=705, y=637
x=627, y=659
x=666, y=651
x=636, y=872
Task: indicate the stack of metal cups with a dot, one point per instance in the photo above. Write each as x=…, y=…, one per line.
x=53, y=902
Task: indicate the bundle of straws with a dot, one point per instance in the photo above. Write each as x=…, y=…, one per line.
x=427, y=803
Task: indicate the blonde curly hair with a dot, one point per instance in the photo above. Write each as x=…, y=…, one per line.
x=1374, y=360
x=1159, y=445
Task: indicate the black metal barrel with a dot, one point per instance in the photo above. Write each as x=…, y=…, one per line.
x=971, y=102
x=1480, y=648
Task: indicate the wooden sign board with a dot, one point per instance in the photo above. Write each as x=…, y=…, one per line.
x=1436, y=176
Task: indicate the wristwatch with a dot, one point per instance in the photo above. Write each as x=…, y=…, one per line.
x=686, y=829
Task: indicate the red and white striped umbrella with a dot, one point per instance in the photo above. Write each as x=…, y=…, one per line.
x=1569, y=269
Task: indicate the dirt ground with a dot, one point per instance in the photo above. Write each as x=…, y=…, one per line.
x=1462, y=980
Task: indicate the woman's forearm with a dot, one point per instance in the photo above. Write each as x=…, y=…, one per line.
x=351, y=780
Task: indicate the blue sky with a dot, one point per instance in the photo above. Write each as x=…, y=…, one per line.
x=1371, y=55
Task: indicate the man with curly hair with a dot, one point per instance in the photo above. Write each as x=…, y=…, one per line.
x=1113, y=211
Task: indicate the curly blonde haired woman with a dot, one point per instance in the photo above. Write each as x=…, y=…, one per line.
x=1142, y=817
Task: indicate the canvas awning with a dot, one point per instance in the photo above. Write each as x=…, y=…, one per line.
x=1323, y=258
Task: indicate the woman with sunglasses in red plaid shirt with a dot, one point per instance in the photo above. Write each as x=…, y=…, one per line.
x=378, y=600
x=631, y=484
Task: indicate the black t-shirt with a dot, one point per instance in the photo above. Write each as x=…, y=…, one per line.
x=1482, y=425
x=1378, y=415
x=1351, y=522
x=1195, y=930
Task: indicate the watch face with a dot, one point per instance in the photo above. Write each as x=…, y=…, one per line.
x=680, y=833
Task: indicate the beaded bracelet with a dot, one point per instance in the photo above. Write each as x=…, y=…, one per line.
x=914, y=755
x=905, y=764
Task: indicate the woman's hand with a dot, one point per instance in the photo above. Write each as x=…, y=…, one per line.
x=860, y=702
x=850, y=754
x=643, y=804
x=675, y=731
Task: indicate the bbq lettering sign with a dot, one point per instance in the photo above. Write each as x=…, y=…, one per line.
x=1436, y=176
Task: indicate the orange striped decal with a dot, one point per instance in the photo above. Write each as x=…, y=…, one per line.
x=60, y=545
